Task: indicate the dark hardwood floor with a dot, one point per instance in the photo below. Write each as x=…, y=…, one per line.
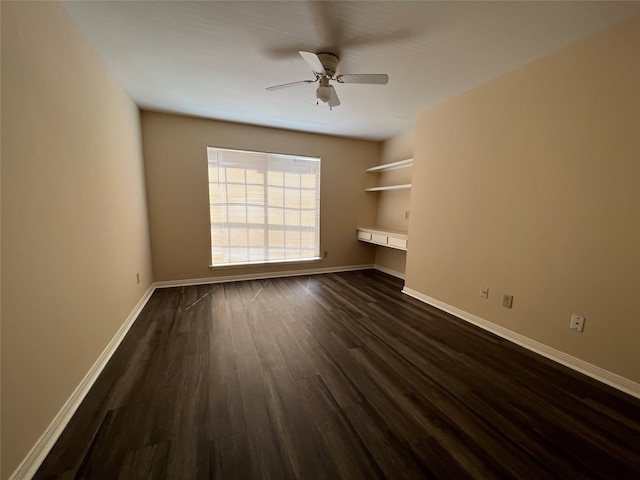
x=336, y=376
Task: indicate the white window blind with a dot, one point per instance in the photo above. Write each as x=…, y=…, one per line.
x=264, y=207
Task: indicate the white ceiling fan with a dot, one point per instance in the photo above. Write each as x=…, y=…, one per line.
x=324, y=67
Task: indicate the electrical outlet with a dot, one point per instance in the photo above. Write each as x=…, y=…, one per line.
x=507, y=300
x=577, y=323
x=325, y=254
x=484, y=293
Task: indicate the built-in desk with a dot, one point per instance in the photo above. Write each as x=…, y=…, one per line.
x=383, y=237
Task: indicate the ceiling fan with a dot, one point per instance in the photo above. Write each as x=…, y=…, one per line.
x=324, y=67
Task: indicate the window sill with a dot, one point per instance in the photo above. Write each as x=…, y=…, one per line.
x=262, y=264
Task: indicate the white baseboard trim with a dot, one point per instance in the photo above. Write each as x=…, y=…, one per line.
x=593, y=371
x=258, y=276
x=32, y=461
x=388, y=271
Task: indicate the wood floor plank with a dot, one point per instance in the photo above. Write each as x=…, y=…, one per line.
x=226, y=410
x=392, y=455
x=147, y=462
x=351, y=457
x=451, y=436
x=381, y=403
x=298, y=432
x=230, y=456
x=295, y=357
x=342, y=389
x=268, y=457
x=105, y=455
x=335, y=376
x=221, y=317
x=189, y=455
x=263, y=337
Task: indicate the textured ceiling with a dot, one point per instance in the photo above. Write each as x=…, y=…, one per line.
x=214, y=59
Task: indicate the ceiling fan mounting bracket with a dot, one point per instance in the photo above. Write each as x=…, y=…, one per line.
x=329, y=62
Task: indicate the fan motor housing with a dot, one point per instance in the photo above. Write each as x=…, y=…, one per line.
x=329, y=62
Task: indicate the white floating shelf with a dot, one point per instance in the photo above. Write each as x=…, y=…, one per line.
x=391, y=166
x=389, y=187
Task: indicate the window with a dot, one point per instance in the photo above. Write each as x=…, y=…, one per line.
x=264, y=207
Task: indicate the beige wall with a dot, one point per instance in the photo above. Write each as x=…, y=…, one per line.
x=530, y=184
x=177, y=190
x=74, y=226
x=393, y=204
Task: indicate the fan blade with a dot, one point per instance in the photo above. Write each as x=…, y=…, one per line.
x=292, y=84
x=333, y=101
x=313, y=61
x=370, y=78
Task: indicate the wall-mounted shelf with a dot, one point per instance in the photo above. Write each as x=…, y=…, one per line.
x=384, y=237
x=391, y=166
x=388, y=187
x=387, y=167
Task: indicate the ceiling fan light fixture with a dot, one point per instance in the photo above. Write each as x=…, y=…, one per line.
x=324, y=93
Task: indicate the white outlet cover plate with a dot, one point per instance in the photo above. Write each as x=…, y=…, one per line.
x=577, y=322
